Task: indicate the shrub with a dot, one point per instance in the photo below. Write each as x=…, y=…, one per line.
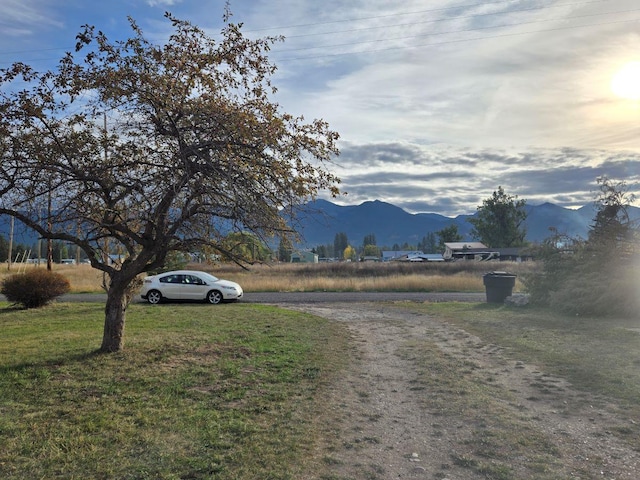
x=597, y=276
x=35, y=288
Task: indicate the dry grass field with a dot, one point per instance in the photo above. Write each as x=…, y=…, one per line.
x=349, y=277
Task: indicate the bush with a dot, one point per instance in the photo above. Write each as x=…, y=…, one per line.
x=35, y=288
x=598, y=276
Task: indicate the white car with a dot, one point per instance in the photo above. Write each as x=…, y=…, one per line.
x=189, y=285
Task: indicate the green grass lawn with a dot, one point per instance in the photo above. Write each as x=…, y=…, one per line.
x=224, y=392
x=232, y=391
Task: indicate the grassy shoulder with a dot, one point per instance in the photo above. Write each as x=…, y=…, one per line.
x=199, y=392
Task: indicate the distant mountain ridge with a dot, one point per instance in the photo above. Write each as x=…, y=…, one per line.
x=390, y=224
x=321, y=220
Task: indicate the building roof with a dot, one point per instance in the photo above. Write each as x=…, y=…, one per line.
x=464, y=245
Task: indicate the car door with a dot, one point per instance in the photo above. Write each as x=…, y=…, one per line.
x=194, y=288
x=172, y=286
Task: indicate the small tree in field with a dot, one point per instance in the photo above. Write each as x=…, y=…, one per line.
x=194, y=149
x=349, y=253
x=499, y=221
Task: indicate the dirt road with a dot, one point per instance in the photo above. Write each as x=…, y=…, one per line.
x=382, y=422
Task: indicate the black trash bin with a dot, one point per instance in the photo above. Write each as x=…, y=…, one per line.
x=498, y=286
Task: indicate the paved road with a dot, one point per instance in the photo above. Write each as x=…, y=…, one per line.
x=318, y=297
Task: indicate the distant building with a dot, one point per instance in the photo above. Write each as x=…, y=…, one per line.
x=479, y=252
x=304, y=257
x=391, y=255
x=464, y=250
x=426, y=257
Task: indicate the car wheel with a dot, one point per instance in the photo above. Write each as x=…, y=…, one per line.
x=214, y=297
x=154, y=297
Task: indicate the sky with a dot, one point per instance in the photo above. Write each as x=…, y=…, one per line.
x=437, y=102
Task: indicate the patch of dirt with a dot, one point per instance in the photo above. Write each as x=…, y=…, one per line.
x=378, y=425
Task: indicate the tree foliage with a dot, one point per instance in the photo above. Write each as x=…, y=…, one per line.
x=597, y=276
x=369, y=239
x=194, y=149
x=371, y=250
x=429, y=243
x=340, y=243
x=447, y=235
x=349, y=253
x=499, y=221
x=247, y=246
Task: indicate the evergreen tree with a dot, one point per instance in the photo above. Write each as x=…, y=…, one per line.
x=429, y=243
x=369, y=239
x=285, y=249
x=340, y=243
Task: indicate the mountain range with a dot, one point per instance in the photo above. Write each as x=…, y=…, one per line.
x=321, y=220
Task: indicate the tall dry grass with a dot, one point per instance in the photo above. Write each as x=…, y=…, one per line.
x=394, y=276
x=347, y=276
x=83, y=278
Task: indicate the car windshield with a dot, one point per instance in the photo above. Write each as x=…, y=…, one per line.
x=208, y=277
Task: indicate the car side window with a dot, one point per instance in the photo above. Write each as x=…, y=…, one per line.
x=172, y=279
x=193, y=280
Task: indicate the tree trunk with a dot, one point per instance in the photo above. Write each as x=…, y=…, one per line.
x=114, y=318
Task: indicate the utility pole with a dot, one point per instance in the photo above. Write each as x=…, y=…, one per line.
x=10, y=245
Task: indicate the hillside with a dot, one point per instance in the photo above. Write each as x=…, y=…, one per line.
x=321, y=220
x=390, y=224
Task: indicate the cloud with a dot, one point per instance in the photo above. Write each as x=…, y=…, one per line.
x=452, y=180
x=539, y=80
x=25, y=17
x=167, y=3
x=437, y=103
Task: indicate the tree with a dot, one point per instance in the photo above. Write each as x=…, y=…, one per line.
x=285, y=249
x=340, y=242
x=194, y=149
x=247, y=246
x=370, y=251
x=612, y=233
x=499, y=221
x=349, y=253
x=4, y=249
x=369, y=239
x=429, y=243
x=447, y=235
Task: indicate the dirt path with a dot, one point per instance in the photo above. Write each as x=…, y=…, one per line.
x=382, y=424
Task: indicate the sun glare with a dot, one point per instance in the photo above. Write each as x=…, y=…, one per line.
x=626, y=83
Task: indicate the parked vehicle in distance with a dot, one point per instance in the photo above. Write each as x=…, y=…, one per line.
x=189, y=285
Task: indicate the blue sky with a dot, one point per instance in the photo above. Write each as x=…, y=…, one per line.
x=437, y=102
